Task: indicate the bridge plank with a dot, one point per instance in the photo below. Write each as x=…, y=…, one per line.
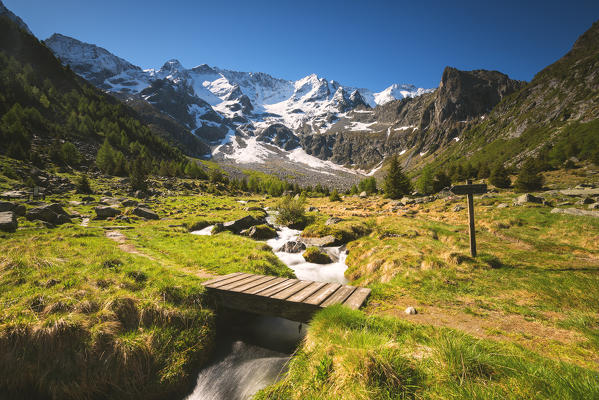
x=220, y=278
x=322, y=294
x=357, y=298
x=339, y=296
x=264, y=286
x=306, y=292
x=232, y=285
x=291, y=290
x=276, y=289
x=227, y=281
x=263, y=279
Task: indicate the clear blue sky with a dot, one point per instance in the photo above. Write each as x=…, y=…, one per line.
x=360, y=43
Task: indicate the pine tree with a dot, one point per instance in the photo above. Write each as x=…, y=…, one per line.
x=425, y=181
x=105, y=158
x=82, y=184
x=334, y=196
x=396, y=183
x=529, y=177
x=499, y=177
x=441, y=182
x=138, y=175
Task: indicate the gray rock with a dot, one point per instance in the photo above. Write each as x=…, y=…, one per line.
x=333, y=221
x=458, y=208
x=18, y=209
x=8, y=221
x=328, y=240
x=292, y=247
x=52, y=213
x=594, y=206
x=145, y=213
x=313, y=209
x=584, y=201
x=129, y=203
x=238, y=225
x=106, y=212
x=363, y=195
x=580, y=192
x=502, y=205
x=411, y=311
x=527, y=198
x=575, y=211
x=406, y=200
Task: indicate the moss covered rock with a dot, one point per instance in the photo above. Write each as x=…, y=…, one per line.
x=317, y=256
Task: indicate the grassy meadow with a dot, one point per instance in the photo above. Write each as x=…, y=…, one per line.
x=110, y=308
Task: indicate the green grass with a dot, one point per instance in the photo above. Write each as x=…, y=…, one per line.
x=350, y=355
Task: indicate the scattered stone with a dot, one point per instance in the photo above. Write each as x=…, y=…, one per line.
x=575, y=211
x=145, y=213
x=129, y=203
x=580, y=192
x=107, y=193
x=292, y=247
x=406, y=200
x=333, y=221
x=106, y=212
x=313, y=209
x=260, y=232
x=316, y=256
x=324, y=241
x=14, y=194
x=458, y=208
x=18, y=209
x=8, y=221
x=363, y=195
x=502, y=205
x=527, y=198
x=411, y=311
x=594, y=206
x=88, y=199
x=584, y=201
x=52, y=213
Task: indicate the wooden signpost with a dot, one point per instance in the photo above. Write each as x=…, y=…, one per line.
x=470, y=190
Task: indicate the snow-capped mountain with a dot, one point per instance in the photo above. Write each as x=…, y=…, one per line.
x=246, y=116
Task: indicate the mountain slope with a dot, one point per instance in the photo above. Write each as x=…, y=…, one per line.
x=43, y=105
x=552, y=118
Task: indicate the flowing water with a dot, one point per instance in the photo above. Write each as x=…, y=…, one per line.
x=254, y=354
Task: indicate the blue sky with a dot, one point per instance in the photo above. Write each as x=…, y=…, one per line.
x=359, y=43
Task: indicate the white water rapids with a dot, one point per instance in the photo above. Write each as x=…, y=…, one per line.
x=245, y=363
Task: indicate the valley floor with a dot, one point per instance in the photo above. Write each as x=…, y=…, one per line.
x=519, y=321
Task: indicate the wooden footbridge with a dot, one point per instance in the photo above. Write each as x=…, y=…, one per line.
x=293, y=299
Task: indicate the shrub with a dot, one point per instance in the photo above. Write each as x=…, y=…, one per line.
x=334, y=196
x=82, y=184
x=529, y=177
x=291, y=211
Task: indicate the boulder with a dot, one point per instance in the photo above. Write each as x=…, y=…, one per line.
x=458, y=208
x=594, y=206
x=260, y=232
x=575, y=211
x=52, y=213
x=292, y=247
x=333, y=221
x=527, y=198
x=584, y=201
x=145, y=213
x=502, y=205
x=106, y=212
x=238, y=225
x=129, y=203
x=18, y=209
x=363, y=195
x=313, y=209
x=8, y=221
x=324, y=241
x=316, y=256
x=411, y=311
x=87, y=199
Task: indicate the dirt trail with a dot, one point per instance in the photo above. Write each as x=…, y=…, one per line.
x=128, y=247
x=534, y=335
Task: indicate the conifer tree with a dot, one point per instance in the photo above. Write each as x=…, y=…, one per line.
x=396, y=183
x=499, y=177
x=529, y=177
x=138, y=174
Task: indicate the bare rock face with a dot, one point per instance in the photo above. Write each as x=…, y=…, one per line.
x=52, y=213
x=8, y=221
x=281, y=136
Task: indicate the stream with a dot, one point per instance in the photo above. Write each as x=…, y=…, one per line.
x=254, y=353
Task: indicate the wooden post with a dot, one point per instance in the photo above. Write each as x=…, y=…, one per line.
x=472, y=230
x=470, y=190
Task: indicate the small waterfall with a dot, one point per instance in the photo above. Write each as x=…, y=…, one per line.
x=254, y=354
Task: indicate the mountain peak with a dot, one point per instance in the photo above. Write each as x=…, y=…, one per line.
x=172, y=65
x=7, y=13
